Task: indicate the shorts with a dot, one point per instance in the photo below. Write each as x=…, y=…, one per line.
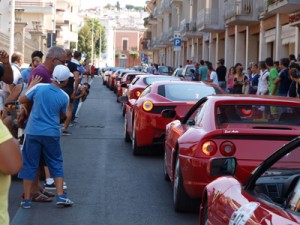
x=69, y=92
x=35, y=146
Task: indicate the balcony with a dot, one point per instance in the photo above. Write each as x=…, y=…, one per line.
x=66, y=18
x=294, y=19
x=190, y=30
x=171, y=34
x=35, y=6
x=282, y=6
x=152, y=19
x=210, y=20
x=240, y=12
x=166, y=6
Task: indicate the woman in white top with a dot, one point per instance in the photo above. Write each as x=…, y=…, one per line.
x=263, y=81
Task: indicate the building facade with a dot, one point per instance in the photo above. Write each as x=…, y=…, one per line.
x=35, y=20
x=237, y=30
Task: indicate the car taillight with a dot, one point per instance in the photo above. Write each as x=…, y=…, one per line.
x=227, y=148
x=147, y=106
x=209, y=148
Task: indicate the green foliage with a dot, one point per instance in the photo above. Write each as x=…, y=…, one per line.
x=129, y=7
x=134, y=54
x=136, y=8
x=117, y=54
x=109, y=6
x=85, y=38
x=118, y=5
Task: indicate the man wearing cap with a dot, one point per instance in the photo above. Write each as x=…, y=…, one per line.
x=43, y=132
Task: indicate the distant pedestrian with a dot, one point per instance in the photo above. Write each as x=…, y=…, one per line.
x=221, y=72
x=263, y=82
x=273, y=90
x=294, y=73
x=203, y=71
x=254, y=78
x=283, y=81
x=229, y=80
x=212, y=76
x=240, y=82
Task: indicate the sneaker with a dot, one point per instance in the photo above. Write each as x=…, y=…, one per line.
x=26, y=204
x=63, y=200
x=53, y=187
x=66, y=133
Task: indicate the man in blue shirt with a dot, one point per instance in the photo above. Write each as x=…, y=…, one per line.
x=43, y=132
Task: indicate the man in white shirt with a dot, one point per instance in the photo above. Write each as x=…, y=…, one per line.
x=212, y=76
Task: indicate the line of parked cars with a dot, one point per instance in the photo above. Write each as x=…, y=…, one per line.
x=220, y=150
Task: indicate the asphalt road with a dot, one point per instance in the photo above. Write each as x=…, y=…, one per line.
x=109, y=186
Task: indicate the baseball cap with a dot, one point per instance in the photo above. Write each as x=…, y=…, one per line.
x=61, y=73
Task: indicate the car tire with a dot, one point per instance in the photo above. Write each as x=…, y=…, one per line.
x=123, y=109
x=182, y=202
x=126, y=135
x=204, y=215
x=103, y=81
x=135, y=149
x=166, y=175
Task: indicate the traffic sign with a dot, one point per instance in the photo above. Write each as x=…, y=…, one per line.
x=177, y=41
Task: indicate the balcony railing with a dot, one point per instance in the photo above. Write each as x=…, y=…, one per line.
x=208, y=17
x=234, y=8
x=208, y=20
x=282, y=6
x=182, y=25
x=166, y=5
x=37, y=3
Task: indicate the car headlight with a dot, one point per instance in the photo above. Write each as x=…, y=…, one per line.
x=138, y=93
x=147, y=106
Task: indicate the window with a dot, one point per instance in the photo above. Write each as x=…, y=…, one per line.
x=125, y=45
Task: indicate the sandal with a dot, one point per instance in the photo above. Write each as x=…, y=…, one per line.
x=40, y=197
x=47, y=193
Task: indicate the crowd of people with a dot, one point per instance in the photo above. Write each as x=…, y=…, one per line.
x=36, y=102
x=267, y=77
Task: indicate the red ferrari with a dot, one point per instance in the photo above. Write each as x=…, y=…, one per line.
x=144, y=123
x=271, y=195
x=137, y=86
x=246, y=127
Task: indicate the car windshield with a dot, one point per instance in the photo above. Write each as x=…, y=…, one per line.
x=150, y=80
x=188, y=70
x=280, y=183
x=271, y=115
x=183, y=92
x=163, y=69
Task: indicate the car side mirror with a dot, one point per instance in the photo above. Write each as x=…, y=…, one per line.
x=168, y=113
x=124, y=85
x=123, y=99
x=190, y=122
x=222, y=166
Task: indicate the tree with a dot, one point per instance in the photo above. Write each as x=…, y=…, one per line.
x=118, y=5
x=134, y=55
x=129, y=7
x=109, y=6
x=85, y=38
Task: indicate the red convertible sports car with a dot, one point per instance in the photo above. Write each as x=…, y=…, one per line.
x=144, y=123
x=271, y=195
x=246, y=127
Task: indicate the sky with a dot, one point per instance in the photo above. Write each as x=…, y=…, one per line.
x=93, y=3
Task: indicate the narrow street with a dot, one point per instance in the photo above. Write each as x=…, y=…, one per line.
x=106, y=182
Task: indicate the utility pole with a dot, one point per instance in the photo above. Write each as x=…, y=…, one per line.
x=12, y=29
x=100, y=40
x=92, y=50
